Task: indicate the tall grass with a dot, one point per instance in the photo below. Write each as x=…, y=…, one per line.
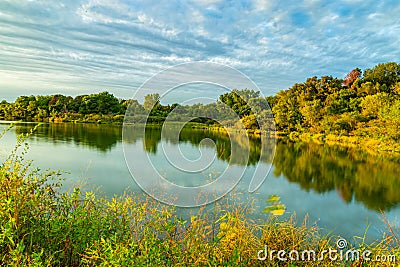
x=42, y=226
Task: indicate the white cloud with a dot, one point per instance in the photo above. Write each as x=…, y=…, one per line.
x=116, y=44
x=207, y=2
x=262, y=5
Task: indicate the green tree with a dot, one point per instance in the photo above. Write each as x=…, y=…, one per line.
x=102, y=103
x=396, y=88
x=248, y=94
x=250, y=122
x=312, y=112
x=286, y=110
x=20, y=107
x=368, y=88
x=3, y=108
x=151, y=101
x=258, y=104
x=371, y=104
x=58, y=103
x=385, y=74
x=343, y=101
x=237, y=100
x=75, y=104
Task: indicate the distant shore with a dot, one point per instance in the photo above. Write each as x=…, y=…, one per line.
x=372, y=146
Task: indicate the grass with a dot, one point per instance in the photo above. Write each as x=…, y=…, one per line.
x=42, y=226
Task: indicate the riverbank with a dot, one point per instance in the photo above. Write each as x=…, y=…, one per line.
x=76, y=118
x=383, y=146
x=373, y=146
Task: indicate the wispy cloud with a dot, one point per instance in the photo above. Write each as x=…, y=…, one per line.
x=91, y=45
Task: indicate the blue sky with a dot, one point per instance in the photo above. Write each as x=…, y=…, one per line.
x=79, y=47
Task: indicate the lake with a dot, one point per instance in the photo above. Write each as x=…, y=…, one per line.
x=343, y=190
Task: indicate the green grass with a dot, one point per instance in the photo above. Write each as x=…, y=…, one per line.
x=42, y=226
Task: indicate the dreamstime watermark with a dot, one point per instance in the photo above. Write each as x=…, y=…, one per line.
x=340, y=253
x=192, y=76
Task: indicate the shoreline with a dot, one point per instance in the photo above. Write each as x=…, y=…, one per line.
x=370, y=145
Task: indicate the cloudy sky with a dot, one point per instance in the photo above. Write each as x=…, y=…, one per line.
x=88, y=46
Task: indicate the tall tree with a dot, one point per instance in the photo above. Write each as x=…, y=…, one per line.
x=151, y=101
x=385, y=74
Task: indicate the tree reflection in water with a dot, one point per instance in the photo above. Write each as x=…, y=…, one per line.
x=353, y=174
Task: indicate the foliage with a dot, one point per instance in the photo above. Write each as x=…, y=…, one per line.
x=237, y=100
x=250, y=122
x=151, y=101
x=386, y=74
x=97, y=108
x=351, y=77
x=355, y=106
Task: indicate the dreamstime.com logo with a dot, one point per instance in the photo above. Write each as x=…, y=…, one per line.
x=194, y=79
x=340, y=253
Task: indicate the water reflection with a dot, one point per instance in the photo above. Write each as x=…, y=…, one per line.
x=100, y=137
x=354, y=175
x=222, y=140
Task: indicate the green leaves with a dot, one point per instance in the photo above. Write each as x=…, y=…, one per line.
x=58, y=107
x=355, y=106
x=385, y=74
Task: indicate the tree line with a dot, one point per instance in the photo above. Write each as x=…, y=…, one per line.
x=59, y=108
x=104, y=108
x=245, y=107
x=363, y=103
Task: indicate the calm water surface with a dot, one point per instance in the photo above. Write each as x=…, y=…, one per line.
x=342, y=190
